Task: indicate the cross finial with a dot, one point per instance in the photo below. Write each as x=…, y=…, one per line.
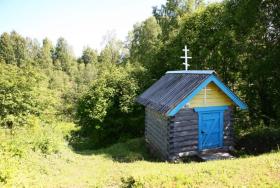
x=186, y=57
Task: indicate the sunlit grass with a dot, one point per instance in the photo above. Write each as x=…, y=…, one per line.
x=128, y=164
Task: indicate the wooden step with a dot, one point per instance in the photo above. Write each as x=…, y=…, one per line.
x=215, y=156
x=215, y=150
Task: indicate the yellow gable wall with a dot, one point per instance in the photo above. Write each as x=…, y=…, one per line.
x=214, y=97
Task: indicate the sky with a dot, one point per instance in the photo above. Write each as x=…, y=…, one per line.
x=81, y=22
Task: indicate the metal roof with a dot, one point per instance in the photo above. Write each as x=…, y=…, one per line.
x=171, y=89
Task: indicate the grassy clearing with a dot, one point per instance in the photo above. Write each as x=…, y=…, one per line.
x=127, y=164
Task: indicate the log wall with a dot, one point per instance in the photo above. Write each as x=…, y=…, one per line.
x=183, y=138
x=171, y=138
x=156, y=133
x=228, y=128
x=183, y=133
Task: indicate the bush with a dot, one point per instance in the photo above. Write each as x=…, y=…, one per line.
x=17, y=94
x=24, y=92
x=107, y=111
x=130, y=182
x=259, y=140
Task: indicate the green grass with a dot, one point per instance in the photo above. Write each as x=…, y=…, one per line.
x=128, y=164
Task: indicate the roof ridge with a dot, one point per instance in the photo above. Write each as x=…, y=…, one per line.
x=191, y=72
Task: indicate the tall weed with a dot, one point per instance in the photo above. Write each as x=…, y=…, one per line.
x=35, y=136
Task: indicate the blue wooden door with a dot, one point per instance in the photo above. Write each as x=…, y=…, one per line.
x=210, y=130
x=210, y=127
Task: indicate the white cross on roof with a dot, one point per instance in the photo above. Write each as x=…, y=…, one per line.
x=186, y=57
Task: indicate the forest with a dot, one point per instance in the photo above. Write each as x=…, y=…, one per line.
x=51, y=100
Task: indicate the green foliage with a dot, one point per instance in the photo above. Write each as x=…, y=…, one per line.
x=108, y=107
x=63, y=56
x=36, y=136
x=45, y=54
x=237, y=39
x=113, y=52
x=261, y=42
x=47, y=82
x=130, y=182
x=85, y=75
x=13, y=49
x=89, y=56
x=45, y=138
x=6, y=50
x=44, y=81
x=18, y=94
x=23, y=92
x=113, y=88
x=145, y=44
x=169, y=15
x=258, y=140
x=20, y=48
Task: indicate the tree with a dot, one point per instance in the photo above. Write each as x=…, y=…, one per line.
x=114, y=51
x=18, y=96
x=14, y=49
x=20, y=48
x=63, y=56
x=169, y=15
x=239, y=39
x=260, y=37
x=33, y=51
x=6, y=49
x=146, y=43
x=46, y=52
x=89, y=56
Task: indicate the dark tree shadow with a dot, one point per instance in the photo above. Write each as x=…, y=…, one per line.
x=258, y=141
x=252, y=142
x=125, y=152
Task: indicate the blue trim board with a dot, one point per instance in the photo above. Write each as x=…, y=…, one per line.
x=221, y=128
x=199, y=132
x=188, y=98
x=229, y=93
x=222, y=86
x=210, y=108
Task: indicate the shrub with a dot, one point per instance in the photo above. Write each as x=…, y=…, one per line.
x=108, y=110
x=24, y=92
x=259, y=140
x=17, y=94
x=130, y=182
